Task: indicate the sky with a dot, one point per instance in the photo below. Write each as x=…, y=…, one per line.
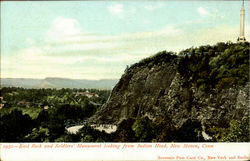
x=98, y=39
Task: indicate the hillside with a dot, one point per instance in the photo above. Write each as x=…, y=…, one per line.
x=19, y=82
x=207, y=85
x=58, y=83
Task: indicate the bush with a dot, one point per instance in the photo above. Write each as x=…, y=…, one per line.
x=144, y=130
x=238, y=131
x=190, y=131
x=124, y=132
x=227, y=67
x=165, y=130
x=15, y=126
x=38, y=135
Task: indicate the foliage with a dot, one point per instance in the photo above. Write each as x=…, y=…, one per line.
x=66, y=137
x=144, y=130
x=124, y=132
x=88, y=134
x=165, y=131
x=238, y=131
x=158, y=58
x=15, y=126
x=24, y=118
x=32, y=111
x=190, y=131
x=38, y=135
x=221, y=66
x=52, y=97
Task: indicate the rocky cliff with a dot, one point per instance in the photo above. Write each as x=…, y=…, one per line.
x=170, y=86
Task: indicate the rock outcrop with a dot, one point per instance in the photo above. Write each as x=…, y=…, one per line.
x=159, y=89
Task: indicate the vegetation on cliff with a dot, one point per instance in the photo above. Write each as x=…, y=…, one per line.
x=199, y=90
x=221, y=66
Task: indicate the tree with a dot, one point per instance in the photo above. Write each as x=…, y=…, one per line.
x=190, y=131
x=237, y=132
x=165, y=130
x=144, y=130
x=15, y=126
x=124, y=132
x=38, y=135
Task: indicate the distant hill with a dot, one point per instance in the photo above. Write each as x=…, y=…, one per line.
x=52, y=82
x=19, y=82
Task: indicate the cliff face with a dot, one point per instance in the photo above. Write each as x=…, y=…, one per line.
x=159, y=89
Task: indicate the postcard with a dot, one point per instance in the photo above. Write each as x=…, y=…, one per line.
x=124, y=80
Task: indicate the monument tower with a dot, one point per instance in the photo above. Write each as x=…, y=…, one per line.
x=242, y=38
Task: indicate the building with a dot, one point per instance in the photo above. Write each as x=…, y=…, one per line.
x=2, y=102
x=1, y=105
x=242, y=38
x=87, y=94
x=46, y=107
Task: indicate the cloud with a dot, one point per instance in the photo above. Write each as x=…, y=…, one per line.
x=217, y=14
x=146, y=22
x=213, y=14
x=95, y=56
x=97, y=43
x=120, y=11
x=30, y=41
x=116, y=9
x=203, y=11
x=81, y=47
x=154, y=6
x=63, y=28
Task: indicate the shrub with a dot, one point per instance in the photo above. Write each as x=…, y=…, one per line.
x=144, y=130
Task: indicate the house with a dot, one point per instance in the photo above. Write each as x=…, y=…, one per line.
x=46, y=107
x=1, y=106
x=87, y=94
x=2, y=102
